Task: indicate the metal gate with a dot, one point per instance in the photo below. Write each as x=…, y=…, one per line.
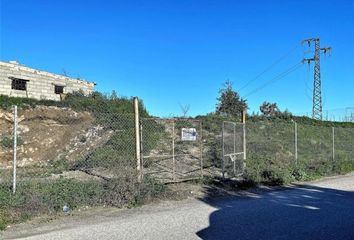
x=172, y=149
x=233, y=149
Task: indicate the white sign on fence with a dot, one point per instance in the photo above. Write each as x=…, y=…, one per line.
x=189, y=134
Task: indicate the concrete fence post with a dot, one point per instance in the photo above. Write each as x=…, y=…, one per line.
x=201, y=148
x=137, y=138
x=244, y=113
x=14, y=150
x=244, y=142
x=234, y=138
x=173, y=150
x=223, y=150
x=141, y=147
x=296, y=147
x=333, y=142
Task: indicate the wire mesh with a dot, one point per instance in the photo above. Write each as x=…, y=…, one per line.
x=57, y=140
x=172, y=148
x=270, y=149
x=233, y=149
x=343, y=154
x=6, y=146
x=212, y=147
x=315, y=149
x=60, y=144
x=98, y=148
x=67, y=157
x=156, y=145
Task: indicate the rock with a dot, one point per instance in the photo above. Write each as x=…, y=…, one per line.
x=66, y=209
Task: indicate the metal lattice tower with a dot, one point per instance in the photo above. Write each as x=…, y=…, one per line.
x=317, y=88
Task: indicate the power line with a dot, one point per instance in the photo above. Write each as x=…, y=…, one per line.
x=307, y=88
x=268, y=68
x=280, y=76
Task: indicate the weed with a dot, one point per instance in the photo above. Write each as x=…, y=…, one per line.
x=8, y=142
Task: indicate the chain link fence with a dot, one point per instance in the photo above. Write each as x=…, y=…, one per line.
x=270, y=149
x=55, y=143
x=315, y=149
x=343, y=153
x=172, y=149
x=286, y=151
x=56, y=158
x=67, y=158
x=233, y=148
x=338, y=115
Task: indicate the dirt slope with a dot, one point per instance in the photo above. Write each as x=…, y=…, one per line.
x=48, y=133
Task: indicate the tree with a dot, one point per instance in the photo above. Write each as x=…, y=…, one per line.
x=229, y=101
x=114, y=95
x=269, y=109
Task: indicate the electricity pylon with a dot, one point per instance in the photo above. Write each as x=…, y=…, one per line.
x=317, y=89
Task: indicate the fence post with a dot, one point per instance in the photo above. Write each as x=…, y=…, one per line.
x=141, y=148
x=14, y=150
x=333, y=147
x=244, y=113
x=201, y=148
x=137, y=137
x=173, y=150
x=244, y=142
x=223, y=151
x=234, y=137
x=244, y=165
x=296, y=153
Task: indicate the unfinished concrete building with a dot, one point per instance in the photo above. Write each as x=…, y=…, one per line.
x=17, y=80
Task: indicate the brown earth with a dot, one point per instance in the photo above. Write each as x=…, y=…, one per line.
x=49, y=133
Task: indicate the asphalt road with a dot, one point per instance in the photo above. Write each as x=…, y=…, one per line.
x=320, y=210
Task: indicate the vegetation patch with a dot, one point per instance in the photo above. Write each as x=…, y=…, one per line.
x=34, y=198
x=8, y=142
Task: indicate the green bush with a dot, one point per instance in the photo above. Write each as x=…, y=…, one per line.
x=96, y=103
x=111, y=112
x=34, y=198
x=270, y=147
x=8, y=142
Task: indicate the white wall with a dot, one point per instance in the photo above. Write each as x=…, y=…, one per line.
x=40, y=84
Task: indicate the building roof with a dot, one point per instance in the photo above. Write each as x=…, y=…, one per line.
x=19, y=67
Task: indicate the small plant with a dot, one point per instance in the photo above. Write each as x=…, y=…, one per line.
x=59, y=166
x=8, y=142
x=83, y=139
x=299, y=174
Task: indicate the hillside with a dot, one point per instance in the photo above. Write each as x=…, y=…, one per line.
x=48, y=134
x=82, y=152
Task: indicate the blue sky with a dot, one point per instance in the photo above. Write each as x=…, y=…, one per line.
x=172, y=53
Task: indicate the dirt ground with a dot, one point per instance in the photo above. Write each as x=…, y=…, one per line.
x=48, y=134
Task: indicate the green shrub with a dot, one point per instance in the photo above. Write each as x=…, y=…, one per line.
x=8, y=142
x=95, y=102
x=35, y=197
x=270, y=147
x=69, y=192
